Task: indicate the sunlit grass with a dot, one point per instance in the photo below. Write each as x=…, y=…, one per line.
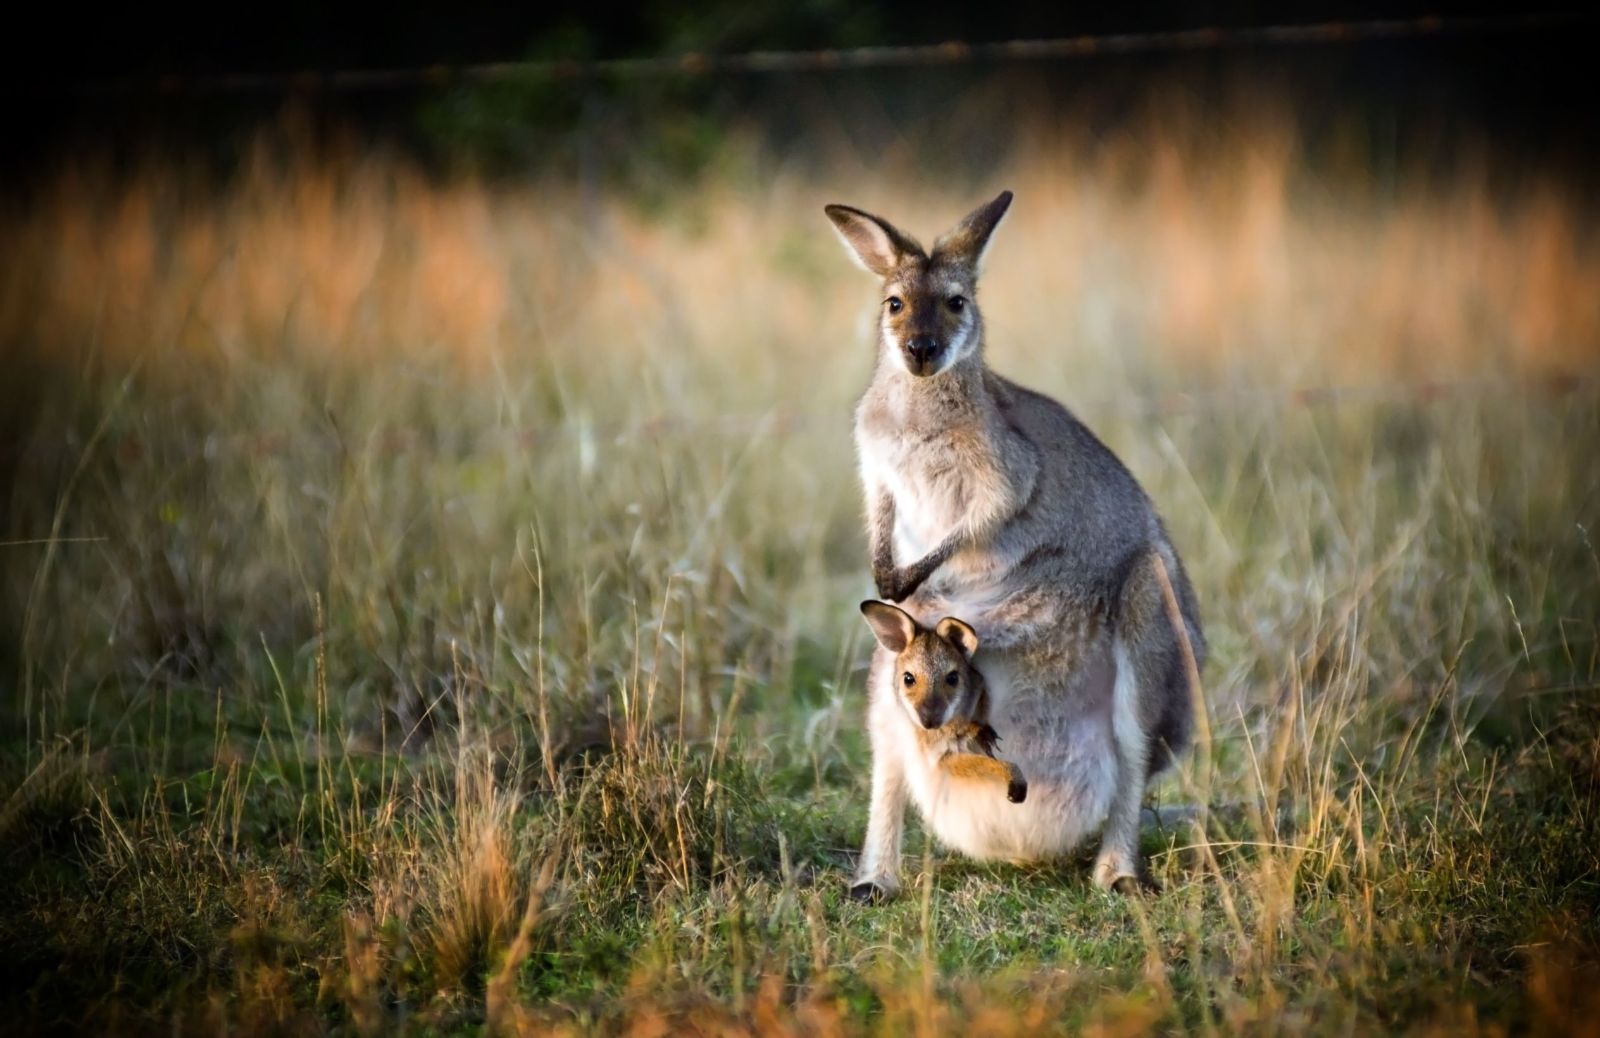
x=449, y=621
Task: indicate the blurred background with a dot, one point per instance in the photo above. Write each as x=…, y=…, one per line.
x=345, y=311
x=1412, y=186
x=334, y=310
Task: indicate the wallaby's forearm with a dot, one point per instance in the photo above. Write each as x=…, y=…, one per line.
x=881, y=536
x=908, y=579
x=903, y=582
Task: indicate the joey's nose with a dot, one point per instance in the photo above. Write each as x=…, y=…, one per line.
x=922, y=348
x=930, y=714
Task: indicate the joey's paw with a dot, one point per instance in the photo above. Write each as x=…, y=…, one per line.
x=1017, y=790
x=870, y=892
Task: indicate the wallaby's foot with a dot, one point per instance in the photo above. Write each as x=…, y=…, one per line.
x=873, y=891
x=1135, y=886
x=1017, y=789
x=1124, y=877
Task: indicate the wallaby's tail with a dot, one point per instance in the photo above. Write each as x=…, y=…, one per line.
x=1167, y=818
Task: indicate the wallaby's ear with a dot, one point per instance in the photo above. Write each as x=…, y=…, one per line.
x=891, y=625
x=958, y=634
x=970, y=239
x=875, y=242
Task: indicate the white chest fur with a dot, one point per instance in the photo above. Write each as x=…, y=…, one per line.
x=927, y=507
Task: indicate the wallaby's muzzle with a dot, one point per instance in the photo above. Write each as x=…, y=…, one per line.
x=922, y=354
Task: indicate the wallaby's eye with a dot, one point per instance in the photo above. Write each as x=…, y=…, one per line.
x=952, y=678
x=909, y=678
x=956, y=303
x=896, y=304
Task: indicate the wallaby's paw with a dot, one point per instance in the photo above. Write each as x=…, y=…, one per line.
x=871, y=892
x=1017, y=790
x=885, y=585
x=900, y=584
x=890, y=584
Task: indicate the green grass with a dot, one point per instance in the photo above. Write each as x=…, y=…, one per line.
x=418, y=692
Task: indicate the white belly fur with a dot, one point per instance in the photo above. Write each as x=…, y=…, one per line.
x=1066, y=755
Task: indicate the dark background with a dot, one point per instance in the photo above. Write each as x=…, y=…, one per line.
x=78, y=81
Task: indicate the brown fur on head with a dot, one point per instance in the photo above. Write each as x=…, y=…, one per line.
x=933, y=668
x=930, y=315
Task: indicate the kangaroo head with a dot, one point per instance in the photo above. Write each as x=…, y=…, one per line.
x=930, y=318
x=933, y=669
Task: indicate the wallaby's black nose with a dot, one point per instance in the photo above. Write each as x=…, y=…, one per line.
x=922, y=348
x=930, y=715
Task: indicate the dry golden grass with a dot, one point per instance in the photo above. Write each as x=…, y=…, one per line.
x=1214, y=250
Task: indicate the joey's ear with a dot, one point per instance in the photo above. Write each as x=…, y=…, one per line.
x=958, y=634
x=891, y=625
x=970, y=239
x=875, y=242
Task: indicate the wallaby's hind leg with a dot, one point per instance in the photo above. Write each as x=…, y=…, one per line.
x=1118, y=866
x=878, y=871
x=988, y=769
x=1148, y=699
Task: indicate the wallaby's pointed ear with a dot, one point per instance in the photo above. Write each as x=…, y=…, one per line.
x=891, y=625
x=958, y=634
x=875, y=242
x=970, y=239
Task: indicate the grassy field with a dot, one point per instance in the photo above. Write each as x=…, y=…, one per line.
x=431, y=606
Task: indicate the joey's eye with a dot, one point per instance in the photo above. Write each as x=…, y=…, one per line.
x=909, y=678
x=956, y=303
x=952, y=678
x=896, y=304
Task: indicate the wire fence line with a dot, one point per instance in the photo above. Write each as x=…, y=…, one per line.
x=837, y=59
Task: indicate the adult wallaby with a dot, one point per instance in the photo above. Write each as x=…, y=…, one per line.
x=991, y=502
